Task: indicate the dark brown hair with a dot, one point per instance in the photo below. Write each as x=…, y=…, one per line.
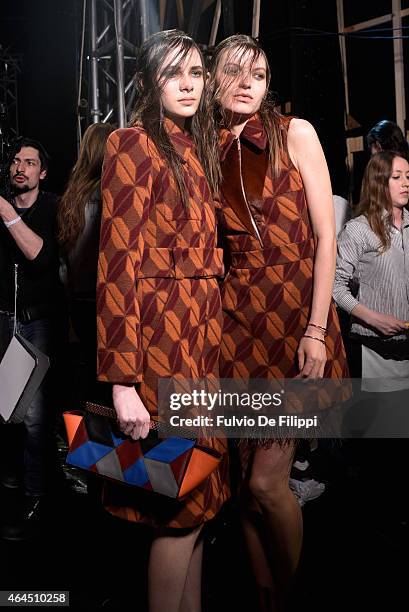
x=237, y=47
x=34, y=144
x=149, y=112
x=375, y=196
x=388, y=136
x=84, y=180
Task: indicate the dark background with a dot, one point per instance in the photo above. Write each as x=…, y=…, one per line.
x=306, y=68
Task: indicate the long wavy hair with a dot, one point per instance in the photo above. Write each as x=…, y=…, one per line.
x=238, y=48
x=375, y=196
x=84, y=180
x=149, y=112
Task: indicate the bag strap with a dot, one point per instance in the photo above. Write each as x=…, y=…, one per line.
x=155, y=423
x=15, y=297
x=110, y=413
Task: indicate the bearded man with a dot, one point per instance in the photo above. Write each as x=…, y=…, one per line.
x=28, y=237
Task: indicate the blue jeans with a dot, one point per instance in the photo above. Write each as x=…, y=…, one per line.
x=39, y=420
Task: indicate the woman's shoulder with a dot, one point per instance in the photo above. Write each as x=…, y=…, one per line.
x=299, y=130
x=303, y=144
x=129, y=134
x=302, y=141
x=357, y=228
x=133, y=140
x=358, y=222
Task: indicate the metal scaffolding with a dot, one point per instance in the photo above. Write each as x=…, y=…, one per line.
x=109, y=26
x=112, y=30
x=8, y=93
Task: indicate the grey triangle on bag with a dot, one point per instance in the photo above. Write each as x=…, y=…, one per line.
x=22, y=371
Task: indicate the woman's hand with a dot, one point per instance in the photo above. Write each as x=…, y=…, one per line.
x=386, y=324
x=133, y=418
x=312, y=357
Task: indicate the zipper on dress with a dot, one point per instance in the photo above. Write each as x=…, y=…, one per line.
x=245, y=197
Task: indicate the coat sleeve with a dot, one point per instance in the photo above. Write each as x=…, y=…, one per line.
x=126, y=193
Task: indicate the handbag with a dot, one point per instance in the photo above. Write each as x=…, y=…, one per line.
x=22, y=371
x=172, y=466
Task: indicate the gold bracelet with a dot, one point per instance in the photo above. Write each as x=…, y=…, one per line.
x=314, y=338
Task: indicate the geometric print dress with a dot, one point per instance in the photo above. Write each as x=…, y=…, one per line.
x=269, y=245
x=158, y=300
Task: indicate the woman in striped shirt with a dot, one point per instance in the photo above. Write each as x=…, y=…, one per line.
x=373, y=249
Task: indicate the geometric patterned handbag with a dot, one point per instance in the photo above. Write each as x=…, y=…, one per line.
x=171, y=466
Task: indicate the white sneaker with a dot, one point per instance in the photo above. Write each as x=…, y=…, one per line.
x=306, y=490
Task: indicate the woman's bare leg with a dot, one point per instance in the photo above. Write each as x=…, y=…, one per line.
x=255, y=534
x=192, y=593
x=279, y=539
x=169, y=563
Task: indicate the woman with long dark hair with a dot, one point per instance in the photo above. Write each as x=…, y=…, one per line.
x=79, y=223
x=278, y=225
x=158, y=301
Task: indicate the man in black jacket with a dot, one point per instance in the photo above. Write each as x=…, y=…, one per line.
x=28, y=237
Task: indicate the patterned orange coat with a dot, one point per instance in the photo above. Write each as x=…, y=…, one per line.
x=268, y=290
x=158, y=302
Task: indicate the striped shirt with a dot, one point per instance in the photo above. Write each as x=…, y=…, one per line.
x=383, y=277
